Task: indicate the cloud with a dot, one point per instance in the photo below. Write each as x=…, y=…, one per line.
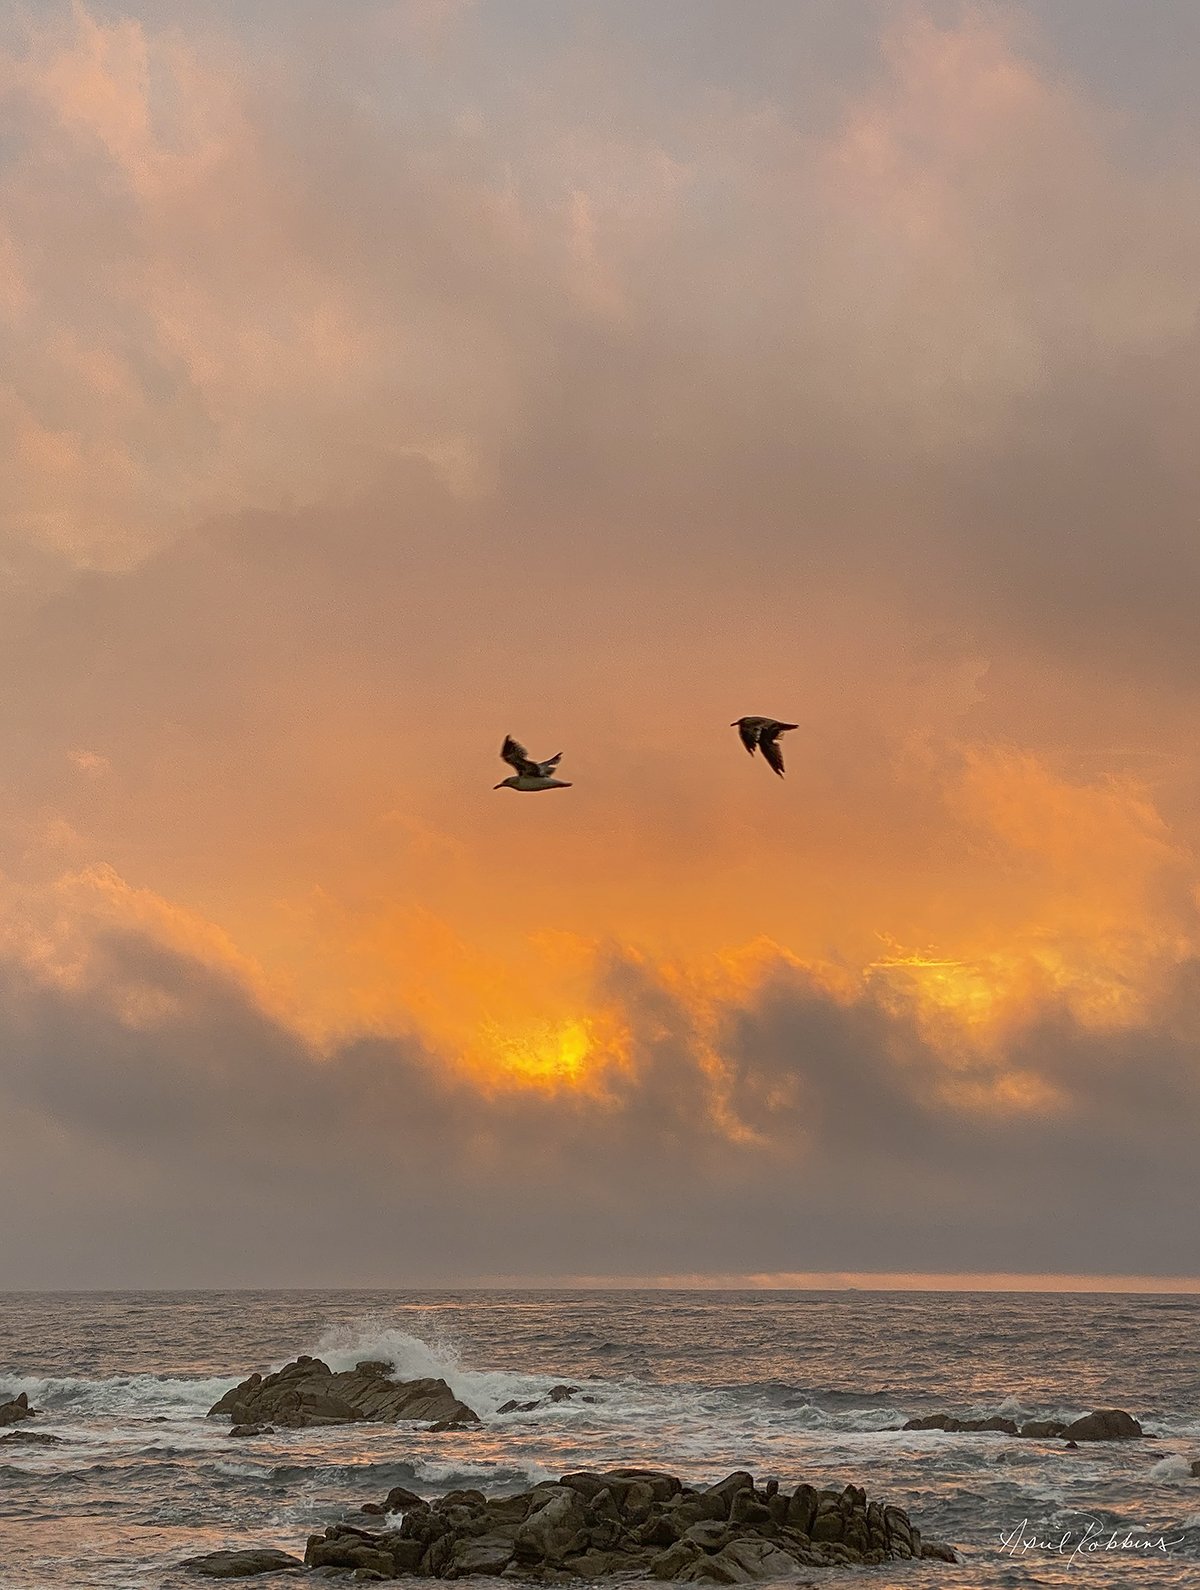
x=367, y=397
x=785, y=1129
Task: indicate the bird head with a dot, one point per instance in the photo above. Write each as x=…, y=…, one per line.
x=508, y=783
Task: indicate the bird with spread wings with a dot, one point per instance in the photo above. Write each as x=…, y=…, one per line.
x=762, y=734
x=528, y=774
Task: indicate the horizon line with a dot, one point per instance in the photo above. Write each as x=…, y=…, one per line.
x=1047, y=1282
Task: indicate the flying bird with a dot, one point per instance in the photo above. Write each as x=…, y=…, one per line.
x=764, y=733
x=529, y=774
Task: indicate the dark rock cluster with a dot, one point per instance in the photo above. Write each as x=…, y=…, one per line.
x=307, y=1392
x=1106, y=1424
x=636, y=1523
x=16, y=1409
x=555, y=1394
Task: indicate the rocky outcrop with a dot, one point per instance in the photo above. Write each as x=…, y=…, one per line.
x=945, y=1421
x=636, y=1523
x=1107, y=1424
x=32, y=1438
x=307, y=1392
x=13, y=1411
x=555, y=1394
x=240, y=1564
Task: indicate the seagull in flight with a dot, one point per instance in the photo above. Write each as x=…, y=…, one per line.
x=527, y=773
x=764, y=733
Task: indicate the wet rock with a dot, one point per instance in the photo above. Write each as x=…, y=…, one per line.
x=243, y=1564
x=1106, y=1424
x=490, y=1554
x=728, y=1488
x=628, y=1523
x=32, y=1438
x=1042, y=1429
x=401, y=1500
x=553, y=1529
x=937, y=1551
x=13, y=1411
x=251, y=1429
x=307, y=1392
x=710, y=1534
x=756, y=1559
x=1195, y=1468
x=955, y=1426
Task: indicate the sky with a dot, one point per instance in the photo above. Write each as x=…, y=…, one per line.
x=379, y=381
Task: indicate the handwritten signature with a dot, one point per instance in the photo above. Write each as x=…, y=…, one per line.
x=1083, y=1542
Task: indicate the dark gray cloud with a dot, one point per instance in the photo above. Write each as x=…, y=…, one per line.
x=179, y=1133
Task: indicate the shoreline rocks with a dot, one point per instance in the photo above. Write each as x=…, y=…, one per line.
x=635, y=1523
x=307, y=1392
x=1105, y=1424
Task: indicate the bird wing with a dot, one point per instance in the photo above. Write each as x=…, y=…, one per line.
x=768, y=744
x=748, y=730
x=517, y=757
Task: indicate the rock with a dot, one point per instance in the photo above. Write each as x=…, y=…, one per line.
x=670, y=1564
x=251, y=1429
x=1107, y=1424
x=17, y=1409
x=1195, y=1470
x=307, y=1393
x=562, y=1393
x=727, y=1488
x=401, y=1500
x=1042, y=1429
x=32, y=1438
x=710, y=1534
x=553, y=1529
x=518, y=1407
x=757, y=1559
x=490, y=1554
x=802, y=1508
x=937, y=1551
x=240, y=1564
x=947, y=1422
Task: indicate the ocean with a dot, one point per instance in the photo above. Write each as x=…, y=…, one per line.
x=801, y=1385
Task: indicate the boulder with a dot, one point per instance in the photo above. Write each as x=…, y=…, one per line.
x=1043, y=1429
x=251, y=1429
x=307, y=1392
x=755, y=1559
x=1195, y=1469
x=1106, y=1424
x=32, y=1438
x=241, y=1564
x=13, y=1411
x=553, y=1529
x=401, y=1500
x=490, y=1554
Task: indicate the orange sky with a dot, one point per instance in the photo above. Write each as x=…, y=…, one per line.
x=352, y=424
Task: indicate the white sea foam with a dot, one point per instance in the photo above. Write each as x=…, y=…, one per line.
x=119, y=1395
x=1172, y=1468
x=415, y=1358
